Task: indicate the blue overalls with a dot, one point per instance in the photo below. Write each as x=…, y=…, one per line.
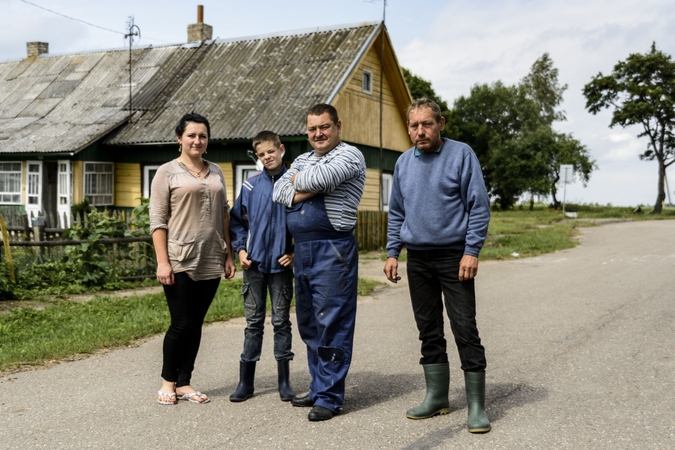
x=326, y=281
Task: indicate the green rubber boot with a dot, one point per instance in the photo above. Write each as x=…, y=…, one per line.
x=436, y=402
x=478, y=421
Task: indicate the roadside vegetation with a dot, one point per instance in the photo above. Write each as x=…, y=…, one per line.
x=67, y=329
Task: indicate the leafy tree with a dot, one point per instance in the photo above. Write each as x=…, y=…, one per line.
x=641, y=90
x=490, y=119
x=542, y=86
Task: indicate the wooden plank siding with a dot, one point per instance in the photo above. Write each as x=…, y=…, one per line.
x=128, y=189
x=228, y=173
x=360, y=111
x=371, y=192
x=78, y=181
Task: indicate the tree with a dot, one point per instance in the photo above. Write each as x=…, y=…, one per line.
x=490, y=119
x=542, y=86
x=641, y=90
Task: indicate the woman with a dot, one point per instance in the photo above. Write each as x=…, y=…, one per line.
x=190, y=224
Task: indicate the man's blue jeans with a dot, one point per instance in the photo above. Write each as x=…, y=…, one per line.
x=430, y=274
x=256, y=285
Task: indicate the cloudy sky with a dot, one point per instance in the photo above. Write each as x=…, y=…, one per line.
x=454, y=44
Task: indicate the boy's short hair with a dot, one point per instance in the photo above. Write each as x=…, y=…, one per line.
x=266, y=136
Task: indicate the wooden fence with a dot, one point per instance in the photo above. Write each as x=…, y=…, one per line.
x=371, y=230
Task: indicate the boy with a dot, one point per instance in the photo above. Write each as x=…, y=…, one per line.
x=259, y=236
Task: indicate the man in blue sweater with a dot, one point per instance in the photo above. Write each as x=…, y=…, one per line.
x=440, y=210
x=260, y=237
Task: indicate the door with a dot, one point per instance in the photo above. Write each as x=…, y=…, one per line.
x=65, y=193
x=33, y=188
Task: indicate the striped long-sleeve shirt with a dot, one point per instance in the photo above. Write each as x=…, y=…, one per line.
x=340, y=175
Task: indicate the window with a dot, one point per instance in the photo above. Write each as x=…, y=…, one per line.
x=34, y=182
x=367, y=81
x=386, y=190
x=149, y=173
x=98, y=183
x=10, y=183
x=244, y=172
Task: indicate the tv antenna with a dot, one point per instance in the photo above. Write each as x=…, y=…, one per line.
x=134, y=35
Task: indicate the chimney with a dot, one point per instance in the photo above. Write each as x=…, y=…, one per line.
x=198, y=32
x=35, y=49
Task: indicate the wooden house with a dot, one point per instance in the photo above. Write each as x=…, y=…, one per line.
x=74, y=126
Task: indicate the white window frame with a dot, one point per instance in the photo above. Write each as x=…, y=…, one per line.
x=11, y=193
x=91, y=196
x=34, y=188
x=64, y=199
x=147, y=182
x=241, y=175
x=367, y=81
x=387, y=180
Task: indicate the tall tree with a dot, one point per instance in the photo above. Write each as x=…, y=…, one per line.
x=542, y=86
x=641, y=90
x=490, y=119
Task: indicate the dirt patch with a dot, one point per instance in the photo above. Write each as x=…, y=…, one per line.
x=8, y=305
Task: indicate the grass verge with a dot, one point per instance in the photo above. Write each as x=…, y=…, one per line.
x=32, y=337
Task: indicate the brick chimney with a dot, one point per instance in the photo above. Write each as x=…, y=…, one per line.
x=199, y=31
x=35, y=49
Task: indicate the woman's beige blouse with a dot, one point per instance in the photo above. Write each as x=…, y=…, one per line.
x=192, y=211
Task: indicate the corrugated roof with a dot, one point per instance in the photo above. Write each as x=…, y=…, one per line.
x=61, y=104
x=248, y=85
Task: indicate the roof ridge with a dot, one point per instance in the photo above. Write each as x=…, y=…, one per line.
x=296, y=32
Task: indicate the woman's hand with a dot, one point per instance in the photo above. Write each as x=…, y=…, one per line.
x=230, y=269
x=165, y=273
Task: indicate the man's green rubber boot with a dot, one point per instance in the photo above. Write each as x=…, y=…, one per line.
x=478, y=421
x=436, y=402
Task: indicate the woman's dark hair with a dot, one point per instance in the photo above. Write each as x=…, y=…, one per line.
x=192, y=117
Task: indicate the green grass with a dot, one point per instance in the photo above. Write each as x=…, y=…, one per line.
x=367, y=286
x=65, y=329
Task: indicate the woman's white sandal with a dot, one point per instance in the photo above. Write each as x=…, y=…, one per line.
x=194, y=394
x=171, y=395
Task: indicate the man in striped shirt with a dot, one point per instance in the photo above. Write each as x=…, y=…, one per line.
x=322, y=191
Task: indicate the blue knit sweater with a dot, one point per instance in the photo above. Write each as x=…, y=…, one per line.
x=438, y=201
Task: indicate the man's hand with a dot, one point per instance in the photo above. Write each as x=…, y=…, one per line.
x=230, y=269
x=243, y=260
x=391, y=270
x=302, y=196
x=287, y=259
x=468, y=267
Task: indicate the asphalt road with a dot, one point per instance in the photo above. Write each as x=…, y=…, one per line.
x=580, y=347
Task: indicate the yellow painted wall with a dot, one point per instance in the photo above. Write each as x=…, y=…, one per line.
x=371, y=198
x=78, y=181
x=360, y=111
x=127, y=185
x=228, y=173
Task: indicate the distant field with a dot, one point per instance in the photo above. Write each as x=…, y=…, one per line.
x=520, y=233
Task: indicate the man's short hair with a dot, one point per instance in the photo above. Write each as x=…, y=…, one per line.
x=266, y=136
x=322, y=108
x=425, y=103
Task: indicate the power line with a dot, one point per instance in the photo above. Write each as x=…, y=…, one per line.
x=72, y=18
x=84, y=22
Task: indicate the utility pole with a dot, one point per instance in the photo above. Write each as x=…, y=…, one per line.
x=382, y=35
x=132, y=31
